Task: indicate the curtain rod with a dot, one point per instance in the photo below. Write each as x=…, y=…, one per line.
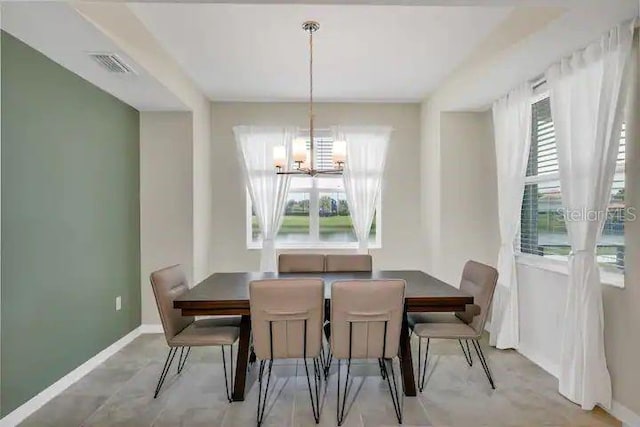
x=541, y=79
x=538, y=81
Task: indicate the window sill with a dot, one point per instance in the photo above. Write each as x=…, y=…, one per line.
x=559, y=266
x=314, y=246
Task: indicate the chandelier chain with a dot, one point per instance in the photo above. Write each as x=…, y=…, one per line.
x=311, y=130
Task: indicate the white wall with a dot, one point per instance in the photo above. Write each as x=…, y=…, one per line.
x=468, y=199
x=166, y=199
x=401, y=243
x=542, y=296
x=202, y=191
x=477, y=81
x=459, y=200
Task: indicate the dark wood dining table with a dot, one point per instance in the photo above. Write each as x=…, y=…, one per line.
x=228, y=294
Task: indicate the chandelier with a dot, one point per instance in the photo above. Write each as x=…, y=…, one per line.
x=304, y=159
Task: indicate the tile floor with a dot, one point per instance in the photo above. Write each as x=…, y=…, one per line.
x=120, y=393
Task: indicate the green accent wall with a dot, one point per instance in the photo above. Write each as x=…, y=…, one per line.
x=70, y=221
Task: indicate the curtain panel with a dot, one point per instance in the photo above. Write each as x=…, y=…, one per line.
x=587, y=92
x=363, y=170
x=512, y=134
x=268, y=190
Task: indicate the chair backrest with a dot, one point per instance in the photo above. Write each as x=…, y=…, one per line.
x=301, y=263
x=480, y=281
x=359, y=311
x=347, y=263
x=168, y=284
x=279, y=310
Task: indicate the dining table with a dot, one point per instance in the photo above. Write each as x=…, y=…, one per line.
x=228, y=294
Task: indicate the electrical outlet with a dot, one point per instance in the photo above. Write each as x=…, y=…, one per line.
x=118, y=303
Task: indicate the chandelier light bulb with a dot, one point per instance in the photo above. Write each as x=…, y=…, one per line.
x=299, y=150
x=279, y=156
x=339, y=151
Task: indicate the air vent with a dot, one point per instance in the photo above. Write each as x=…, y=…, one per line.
x=112, y=63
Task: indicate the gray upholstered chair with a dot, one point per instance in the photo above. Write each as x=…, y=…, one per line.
x=342, y=264
x=478, y=280
x=347, y=263
x=366, y=319
x=301, y=263
x=184, y=332
x=286, y=321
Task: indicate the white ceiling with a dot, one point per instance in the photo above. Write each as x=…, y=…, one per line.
x=59, y=32
x=361, y=53
x=530, y=57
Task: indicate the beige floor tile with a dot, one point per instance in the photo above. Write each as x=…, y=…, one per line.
x=120, y=393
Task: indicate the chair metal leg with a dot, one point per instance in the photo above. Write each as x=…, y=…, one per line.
x=327, y=360
x=252, y=355
x=165, y=369
x=467, y=353
x=422, y=370
x=327, y=363
x=315, y=402
x=341, y=405
x=228, y=379
x=393, y=387
x=262, y=400
x=483, y=361
x=383, y=373
x=323, y=358
x=182, y=361
x=315, y=399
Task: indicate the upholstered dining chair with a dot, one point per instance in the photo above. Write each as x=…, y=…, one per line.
x=184, y=332
x=286, y=320
x=366, y=318
x=478, y=280
x=300, y=263
x=342, y=263
x=347, y=263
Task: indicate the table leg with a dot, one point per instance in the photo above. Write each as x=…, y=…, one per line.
x=243, y=357
x=406, y=364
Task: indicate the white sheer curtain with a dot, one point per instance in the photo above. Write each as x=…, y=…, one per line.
x=363, y=170
x=268, y=190
x=512, y=134
x=587, y=98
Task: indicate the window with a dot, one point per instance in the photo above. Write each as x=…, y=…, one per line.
x=542, y=228
x=316, y=213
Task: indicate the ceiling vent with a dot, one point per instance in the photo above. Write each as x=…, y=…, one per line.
x=112, y=63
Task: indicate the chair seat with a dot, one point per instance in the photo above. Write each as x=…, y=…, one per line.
x=440, y=325
x=205, y=332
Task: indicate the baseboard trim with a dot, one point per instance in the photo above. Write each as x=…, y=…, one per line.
x=624, y=414
x=22, y=412
x=543, y=362
x=618, y=410
x=151, y=329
